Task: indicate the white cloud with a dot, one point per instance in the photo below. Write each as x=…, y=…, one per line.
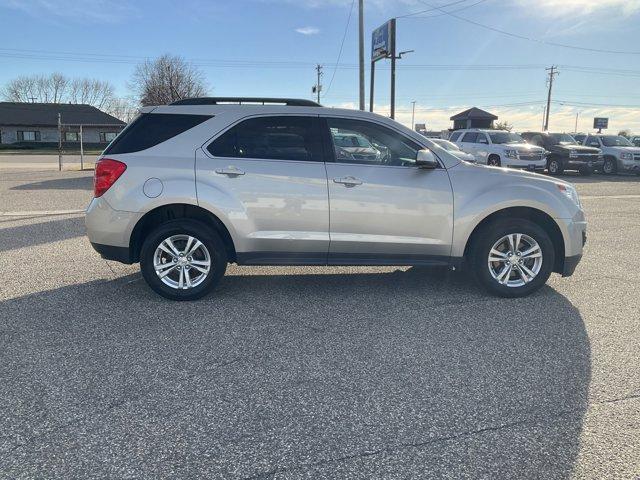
x=560, y=8
x=308, y=30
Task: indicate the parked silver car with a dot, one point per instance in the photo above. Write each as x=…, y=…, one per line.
x=188, y=187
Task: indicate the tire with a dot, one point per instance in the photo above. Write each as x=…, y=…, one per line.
x=493, y=160
x=485, y=240
x=554, y=166
x=586, y=171
x=174, y=285
x=610, y=166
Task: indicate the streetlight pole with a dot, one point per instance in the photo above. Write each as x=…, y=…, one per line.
x=413, y=114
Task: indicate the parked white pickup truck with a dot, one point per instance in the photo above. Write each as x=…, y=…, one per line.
x=620, y=155
x=500, y=148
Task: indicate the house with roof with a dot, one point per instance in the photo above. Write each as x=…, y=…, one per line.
x=473, y=118
x=34, y=123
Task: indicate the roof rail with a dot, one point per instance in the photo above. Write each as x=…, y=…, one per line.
x=291, y=102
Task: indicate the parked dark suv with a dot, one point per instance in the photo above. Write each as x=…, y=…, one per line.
x=564, y=153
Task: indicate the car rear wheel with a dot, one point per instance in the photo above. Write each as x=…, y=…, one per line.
x=493, y=160
x=512, y=257
x=554, y=166
x=610, y=166
x=183, y=259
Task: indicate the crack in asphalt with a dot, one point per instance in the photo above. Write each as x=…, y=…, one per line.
x=404, y=446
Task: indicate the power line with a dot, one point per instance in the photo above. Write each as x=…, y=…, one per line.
x=416, y=16
x=344, y=36
x=536, y=40
x=431, y=9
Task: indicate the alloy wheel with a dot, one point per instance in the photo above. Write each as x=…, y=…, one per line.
x=182, y=262
x=515, y=260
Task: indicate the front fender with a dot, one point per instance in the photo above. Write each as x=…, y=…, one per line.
x=481, y=191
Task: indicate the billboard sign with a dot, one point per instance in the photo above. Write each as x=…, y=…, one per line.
x=600, y=122
x=381, y=42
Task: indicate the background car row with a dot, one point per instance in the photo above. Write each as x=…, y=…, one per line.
x=555, y=152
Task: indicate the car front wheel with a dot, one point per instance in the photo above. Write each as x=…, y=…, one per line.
x=183, y=259
x=554, y=166
x=610, y=166
x=493, y=160
x=512, y=257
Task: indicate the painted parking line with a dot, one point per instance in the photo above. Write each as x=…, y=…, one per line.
x=38, y=213
x=589, y=197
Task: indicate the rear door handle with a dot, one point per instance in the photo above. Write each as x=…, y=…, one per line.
x=348, y=181
x=229, y=171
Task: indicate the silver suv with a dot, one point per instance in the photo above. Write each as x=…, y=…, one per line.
x=189, y=187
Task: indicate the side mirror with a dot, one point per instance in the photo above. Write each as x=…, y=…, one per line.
x=426, y=159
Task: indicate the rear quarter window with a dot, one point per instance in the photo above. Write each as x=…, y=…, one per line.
x=151, y=129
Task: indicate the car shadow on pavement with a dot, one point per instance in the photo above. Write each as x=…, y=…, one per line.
x=404, y=374
x=31, y=234
x=68, y=183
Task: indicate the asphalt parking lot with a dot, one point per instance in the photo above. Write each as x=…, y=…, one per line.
x=312, y=372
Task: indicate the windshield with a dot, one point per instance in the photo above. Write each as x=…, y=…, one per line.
x=563, y=139
x=615, y=141
x=505, y=137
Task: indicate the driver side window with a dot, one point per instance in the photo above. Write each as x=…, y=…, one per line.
x=358, y=141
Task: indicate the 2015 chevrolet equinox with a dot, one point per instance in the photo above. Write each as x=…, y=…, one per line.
x=189, y=187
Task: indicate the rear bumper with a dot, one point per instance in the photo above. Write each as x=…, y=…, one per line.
x=109, y=227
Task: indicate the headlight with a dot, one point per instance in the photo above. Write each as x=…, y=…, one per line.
x=511, y=153
x=570, y=192
x=626, y=156
x=573, y=154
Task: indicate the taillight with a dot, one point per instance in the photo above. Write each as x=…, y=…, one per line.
x=106, y=173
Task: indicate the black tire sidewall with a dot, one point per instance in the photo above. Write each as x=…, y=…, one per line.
x=613, y=165
x=202, y=232
x=494, y=160
x=485, y=239
x=558, y=170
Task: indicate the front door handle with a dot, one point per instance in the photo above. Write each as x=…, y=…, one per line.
x=229, y=171
x=348, y=181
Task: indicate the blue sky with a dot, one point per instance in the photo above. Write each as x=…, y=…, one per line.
x=270, y=47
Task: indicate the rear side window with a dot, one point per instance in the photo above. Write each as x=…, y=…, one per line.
x=470, y=137
x=271, y=138
x=454, y=136
x=150, y=129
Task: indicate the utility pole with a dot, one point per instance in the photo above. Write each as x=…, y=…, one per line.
x=413, y=114
x=575, y=130
x=393, y=68
x=361, y=50
x=552, y=72
x=317, y=88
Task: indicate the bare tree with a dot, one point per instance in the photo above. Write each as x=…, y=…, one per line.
x=91, y=92
x=503, y=126
x=21, y=89
x=56, y=88
x=167, y=79
x=123, y=108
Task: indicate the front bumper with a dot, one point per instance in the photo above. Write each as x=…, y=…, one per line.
x=574, y=231
x=577, y=164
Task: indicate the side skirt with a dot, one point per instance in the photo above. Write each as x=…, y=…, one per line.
x=342, y=259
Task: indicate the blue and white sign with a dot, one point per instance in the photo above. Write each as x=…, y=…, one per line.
x=381, y=42
x=600, y=122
